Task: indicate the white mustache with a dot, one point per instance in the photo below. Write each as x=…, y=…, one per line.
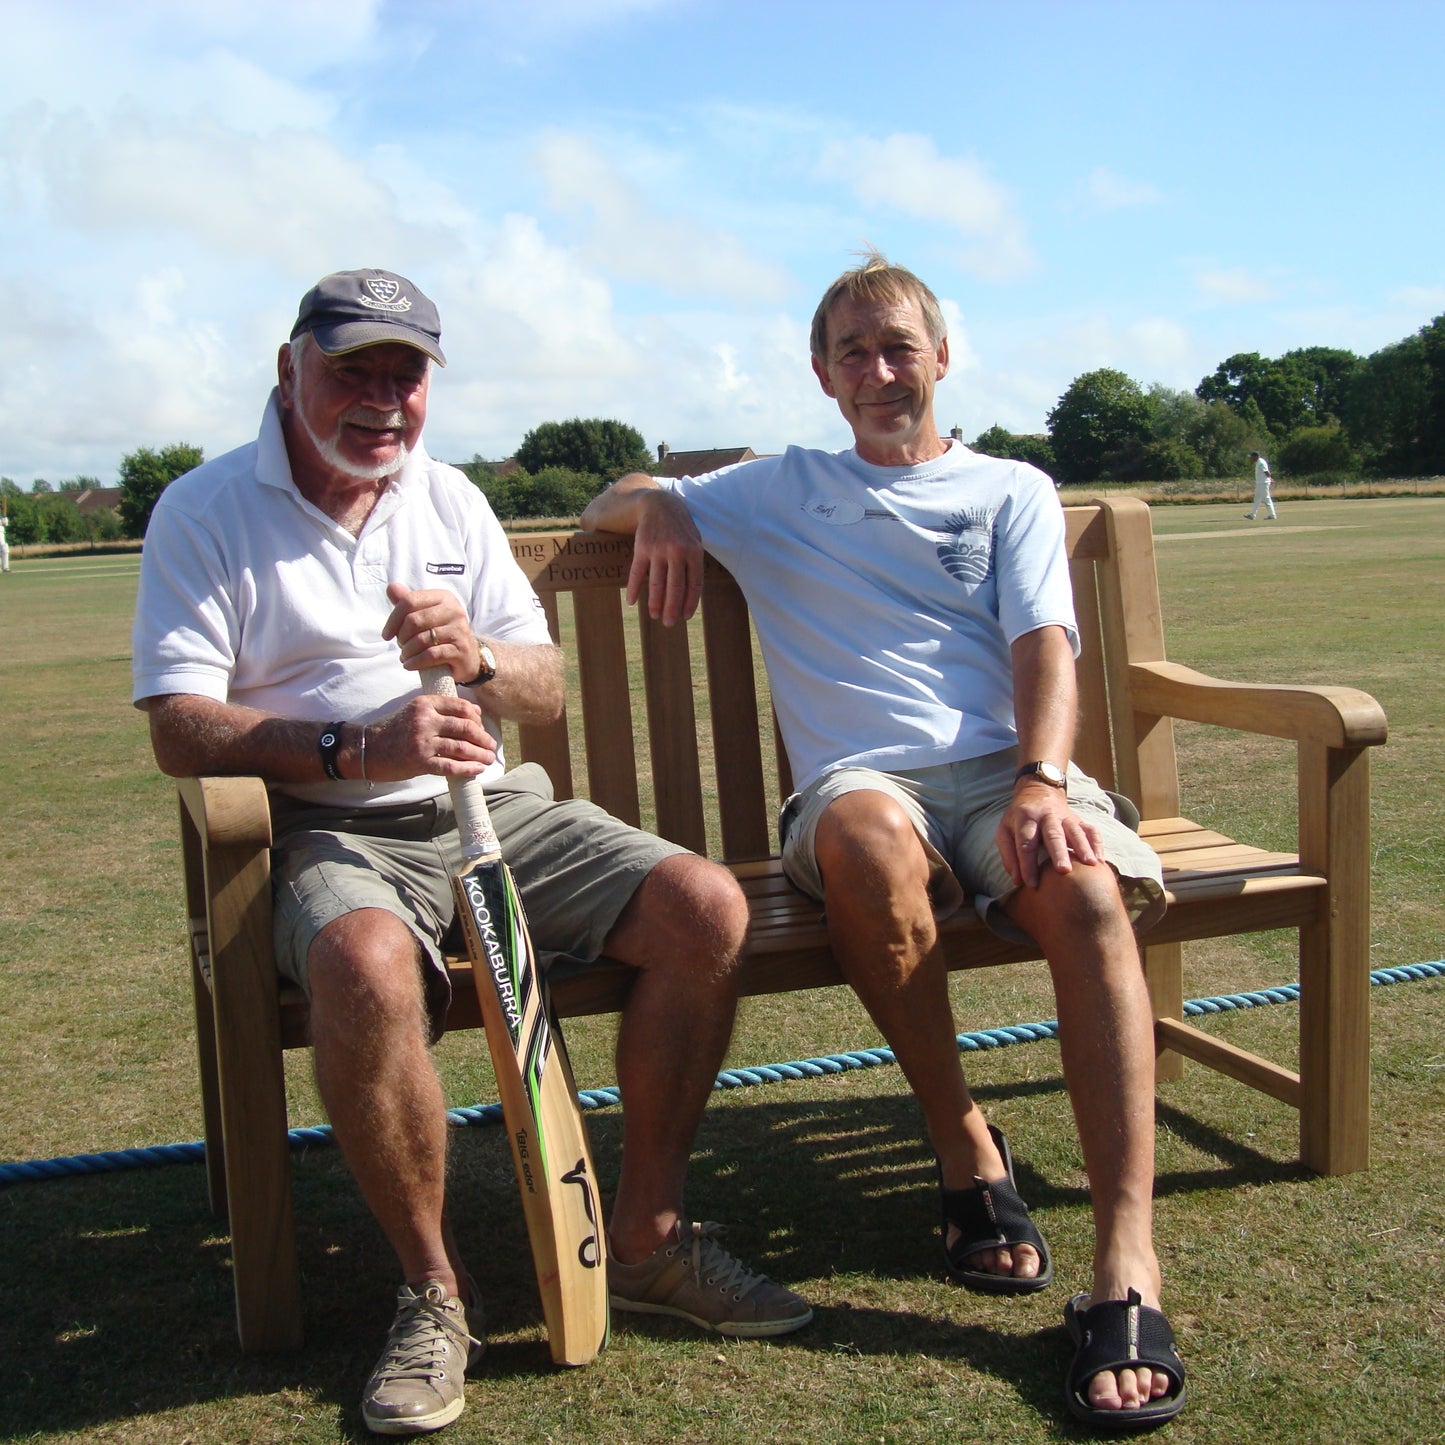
x=377, y=420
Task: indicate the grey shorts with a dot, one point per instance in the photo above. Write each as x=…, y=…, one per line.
x=956, y=809
x=575, y=866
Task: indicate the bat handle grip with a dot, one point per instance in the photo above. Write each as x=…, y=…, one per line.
x=474, y=823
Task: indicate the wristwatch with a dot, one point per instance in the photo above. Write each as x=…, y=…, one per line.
x=489, y=665
x=1049, y=773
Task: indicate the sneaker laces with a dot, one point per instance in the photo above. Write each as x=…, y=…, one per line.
x=713, y=1265
x=414, y=1349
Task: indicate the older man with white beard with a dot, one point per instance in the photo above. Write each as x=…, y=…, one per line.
x=291, y=593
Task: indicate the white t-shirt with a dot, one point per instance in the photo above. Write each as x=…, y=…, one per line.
x=886, y=598
x=1261, y=474
x=251, y=595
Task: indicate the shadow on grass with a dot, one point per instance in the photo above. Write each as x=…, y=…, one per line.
x=118, y=1296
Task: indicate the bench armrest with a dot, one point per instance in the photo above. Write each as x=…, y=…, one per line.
x=1333, y=717
x=228, y=812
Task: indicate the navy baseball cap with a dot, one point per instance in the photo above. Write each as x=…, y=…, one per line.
x=351, y=309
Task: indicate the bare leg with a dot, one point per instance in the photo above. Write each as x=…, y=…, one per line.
x=881, y=927
x=381, y=1092
x=682, y=930
x=1106, y=1037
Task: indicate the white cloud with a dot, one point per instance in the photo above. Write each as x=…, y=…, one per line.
x=291, y=198
x=243, y=64
x=1234, y=286
x=906, y=172
x=961, y=355
x=632, y=241
x=1106, y=190
x=1428, y=300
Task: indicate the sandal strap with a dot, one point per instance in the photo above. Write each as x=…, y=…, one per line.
x=989, y=1216
x=1116, y=1335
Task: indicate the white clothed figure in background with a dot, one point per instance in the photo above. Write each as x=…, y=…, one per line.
x=1263, y=478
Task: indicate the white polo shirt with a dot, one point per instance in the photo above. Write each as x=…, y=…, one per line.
x=251, y=595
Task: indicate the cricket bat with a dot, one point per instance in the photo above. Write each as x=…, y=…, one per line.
x=534, y=1079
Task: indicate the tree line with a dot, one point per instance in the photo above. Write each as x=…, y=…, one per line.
x=1313, y=411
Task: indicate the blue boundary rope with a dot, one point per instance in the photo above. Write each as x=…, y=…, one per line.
x=33, y=1170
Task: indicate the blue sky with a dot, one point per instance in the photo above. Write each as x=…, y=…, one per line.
x=629, y=207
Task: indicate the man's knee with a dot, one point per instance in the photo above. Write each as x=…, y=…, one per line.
x=366, y=964
x=685, y=905
x=864, y=837
x=1082, y=908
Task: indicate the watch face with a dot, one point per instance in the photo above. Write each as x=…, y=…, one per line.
x=1046, y=772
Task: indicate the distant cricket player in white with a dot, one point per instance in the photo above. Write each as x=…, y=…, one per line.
x=1263, y=479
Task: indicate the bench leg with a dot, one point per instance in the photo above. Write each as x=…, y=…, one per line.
x=1164, y=969
x=1335, y=961
x=210, y=1092
x=253, y=1107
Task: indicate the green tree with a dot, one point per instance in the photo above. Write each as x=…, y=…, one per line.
x=1101, y=412
x=24, y=527
x=1325, y=372
x=1223, y=440
x=1432, y=425
x=597, y=444
x=998, y=441
x=552, y=492
x=145, y=474
x=1305, y=387
x=1384, y=406
x=994, y=442
x=1313, y=450
x=46, y=516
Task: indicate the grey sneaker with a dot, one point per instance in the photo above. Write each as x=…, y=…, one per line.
x=691, y=1276
x=418, y=1382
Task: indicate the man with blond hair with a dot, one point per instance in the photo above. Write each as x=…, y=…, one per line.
x=914, y=607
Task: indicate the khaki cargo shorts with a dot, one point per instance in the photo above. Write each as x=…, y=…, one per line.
x=956, y=809
x=575, y=865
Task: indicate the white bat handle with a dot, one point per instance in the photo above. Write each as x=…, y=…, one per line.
x=474, y=823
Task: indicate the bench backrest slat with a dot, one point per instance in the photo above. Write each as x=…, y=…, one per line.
x=736, y=736
x=672, y=733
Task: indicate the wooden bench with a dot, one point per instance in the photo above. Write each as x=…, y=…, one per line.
x=1129, y=695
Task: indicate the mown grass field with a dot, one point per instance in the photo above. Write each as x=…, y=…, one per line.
x=1307, y=1308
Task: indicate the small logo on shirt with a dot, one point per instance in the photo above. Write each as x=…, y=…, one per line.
x=842, y=512
x=966, y=547
x=446, y=569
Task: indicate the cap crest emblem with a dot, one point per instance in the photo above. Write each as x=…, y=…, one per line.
x=385, y=295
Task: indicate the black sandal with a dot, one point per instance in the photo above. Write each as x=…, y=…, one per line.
x=992, y=1216
x=1114, y=1335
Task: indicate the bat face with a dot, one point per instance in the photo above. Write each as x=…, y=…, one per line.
x=534, y=1079
x=501, y=950
x=496, y=932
